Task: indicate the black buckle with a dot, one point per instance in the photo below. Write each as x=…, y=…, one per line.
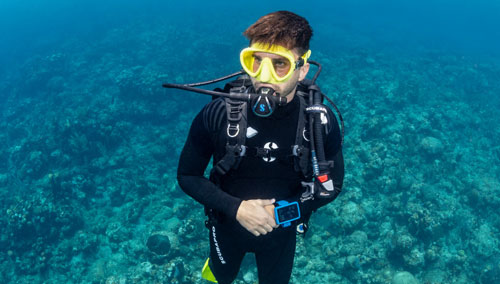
x=236, y=150
x=297, y=150
x=234, y=111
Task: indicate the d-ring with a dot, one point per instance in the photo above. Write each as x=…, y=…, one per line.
x=237, y=130
x=304, y=135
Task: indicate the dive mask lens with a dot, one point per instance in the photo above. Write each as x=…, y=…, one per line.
x=277, y=65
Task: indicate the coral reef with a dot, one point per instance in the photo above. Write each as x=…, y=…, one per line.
x=89, y=144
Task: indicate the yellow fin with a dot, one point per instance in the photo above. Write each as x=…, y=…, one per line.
x=206, y=272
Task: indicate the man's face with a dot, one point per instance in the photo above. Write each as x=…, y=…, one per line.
x=280, y=64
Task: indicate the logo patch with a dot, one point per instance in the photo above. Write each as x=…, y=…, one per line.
x=270, y=146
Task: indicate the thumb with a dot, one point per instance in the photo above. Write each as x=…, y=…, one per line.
x=265, y=202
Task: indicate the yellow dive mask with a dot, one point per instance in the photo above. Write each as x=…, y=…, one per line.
x=270, y=64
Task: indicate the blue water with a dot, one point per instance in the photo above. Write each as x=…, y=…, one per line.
x=89, y=141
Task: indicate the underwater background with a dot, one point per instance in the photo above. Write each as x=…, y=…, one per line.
x=89, y=141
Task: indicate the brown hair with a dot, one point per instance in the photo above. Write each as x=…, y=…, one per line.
x=282, y=28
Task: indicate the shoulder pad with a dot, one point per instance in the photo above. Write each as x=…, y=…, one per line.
x=214, y=114
x=303, y=85
x=332, y=121
x=243, y=80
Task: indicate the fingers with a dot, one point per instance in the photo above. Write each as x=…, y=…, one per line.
x=263, y=230
x=268, y=228
x=272, y=222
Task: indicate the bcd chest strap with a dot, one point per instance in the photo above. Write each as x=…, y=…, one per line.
x=237, y=123
x=235, y=148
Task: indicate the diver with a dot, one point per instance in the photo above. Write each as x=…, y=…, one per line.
x=276, y=149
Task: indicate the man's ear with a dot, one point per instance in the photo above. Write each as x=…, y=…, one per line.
x=303, y=71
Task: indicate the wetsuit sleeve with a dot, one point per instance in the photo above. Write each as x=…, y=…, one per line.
x=193, y=161
x=333, y=152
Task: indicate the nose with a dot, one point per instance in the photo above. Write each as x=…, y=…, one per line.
x=265, y=73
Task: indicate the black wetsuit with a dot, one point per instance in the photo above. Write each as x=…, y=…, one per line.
x=254, y=178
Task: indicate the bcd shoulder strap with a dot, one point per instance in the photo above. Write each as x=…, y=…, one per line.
x=236, y=114
x=300, y=150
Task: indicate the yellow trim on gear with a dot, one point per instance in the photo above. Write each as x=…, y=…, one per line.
x=206, y=273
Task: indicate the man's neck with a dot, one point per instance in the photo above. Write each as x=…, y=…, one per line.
x=290, y=96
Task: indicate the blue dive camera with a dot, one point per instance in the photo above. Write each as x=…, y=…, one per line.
x=286, y=212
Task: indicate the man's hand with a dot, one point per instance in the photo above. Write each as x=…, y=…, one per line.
x=254, y=216
x=270, y=210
